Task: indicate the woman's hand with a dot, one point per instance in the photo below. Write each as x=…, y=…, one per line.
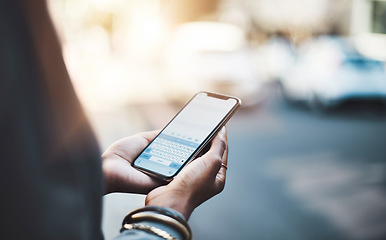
x=197, y=182
x=118, y=173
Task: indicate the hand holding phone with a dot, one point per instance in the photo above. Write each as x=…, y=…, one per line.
x=118, y=172
x=199, y=181
x=186, y=134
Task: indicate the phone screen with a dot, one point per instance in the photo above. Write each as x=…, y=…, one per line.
x=186, y=134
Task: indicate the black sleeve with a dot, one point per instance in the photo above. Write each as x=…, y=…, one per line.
x=50, y=174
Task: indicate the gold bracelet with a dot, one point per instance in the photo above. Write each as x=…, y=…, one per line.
x=159, y=214
x=150, y=229
x=162, y=218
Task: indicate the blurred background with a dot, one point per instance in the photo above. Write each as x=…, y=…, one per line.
x=307, y=153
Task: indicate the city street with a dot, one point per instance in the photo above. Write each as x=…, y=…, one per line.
x=293, y=174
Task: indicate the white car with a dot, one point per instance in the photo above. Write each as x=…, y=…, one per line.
x=329, y=71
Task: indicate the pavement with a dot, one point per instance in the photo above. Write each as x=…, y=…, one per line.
x=292, y=174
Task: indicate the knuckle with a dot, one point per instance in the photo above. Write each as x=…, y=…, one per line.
x=220, y=187
x=223, y=144
x=217, y=157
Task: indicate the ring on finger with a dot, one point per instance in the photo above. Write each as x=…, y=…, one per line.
x=224, y=165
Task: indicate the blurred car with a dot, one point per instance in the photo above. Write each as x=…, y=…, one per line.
x=329, y=71
x=275, y=57
x=212, y=56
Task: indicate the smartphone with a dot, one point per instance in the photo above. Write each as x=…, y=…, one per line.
x=194, y=126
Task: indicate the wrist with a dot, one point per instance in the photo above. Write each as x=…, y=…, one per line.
x=178, y=201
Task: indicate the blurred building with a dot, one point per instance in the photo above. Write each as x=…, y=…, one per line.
x=368, y=24
x=368, y=16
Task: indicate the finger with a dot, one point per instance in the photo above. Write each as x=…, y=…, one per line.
x=211, y=161
x=150, y=135
x=129, y=147
x=221, y=176
x=224, y=160
x=219, y=146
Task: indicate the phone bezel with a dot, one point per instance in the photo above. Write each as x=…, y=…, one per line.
x=202, y=145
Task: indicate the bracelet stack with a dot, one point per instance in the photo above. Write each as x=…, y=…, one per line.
x=162, y=215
